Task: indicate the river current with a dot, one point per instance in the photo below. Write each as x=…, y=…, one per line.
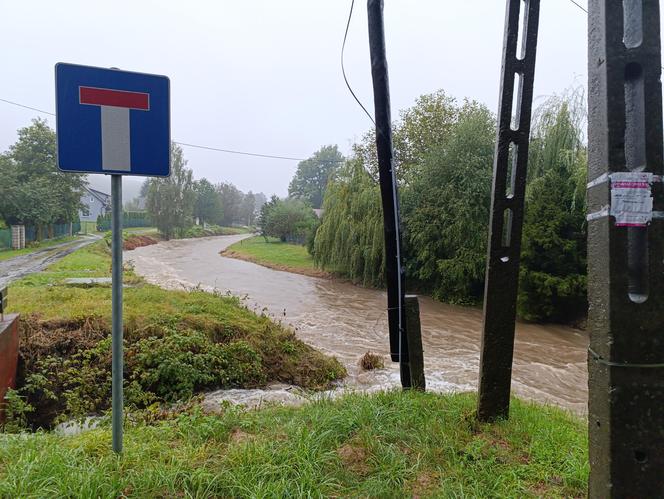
x=346, y=321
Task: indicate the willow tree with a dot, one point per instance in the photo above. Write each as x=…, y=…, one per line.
x=312, y=175
x=350, y=237
x=553, y=255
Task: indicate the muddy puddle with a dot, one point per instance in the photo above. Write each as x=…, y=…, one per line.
x=346, y=321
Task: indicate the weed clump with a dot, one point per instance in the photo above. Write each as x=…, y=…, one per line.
x=371, y=361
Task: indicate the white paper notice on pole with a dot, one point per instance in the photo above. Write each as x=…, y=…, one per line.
x=631, y=198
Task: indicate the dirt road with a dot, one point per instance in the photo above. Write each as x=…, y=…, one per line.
x=20, y=266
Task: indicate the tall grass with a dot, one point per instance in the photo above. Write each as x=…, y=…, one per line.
x=386, y=445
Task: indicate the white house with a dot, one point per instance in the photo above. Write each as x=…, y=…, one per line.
x=94, y=203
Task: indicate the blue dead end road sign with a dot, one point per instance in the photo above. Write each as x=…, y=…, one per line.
x=113, y=122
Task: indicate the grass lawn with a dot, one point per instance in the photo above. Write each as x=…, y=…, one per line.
x=6, y=255
x=141, y=230
x=384, y=445
x=275, y=255
x=177, y=343
x=229, y=231
x=88, y=227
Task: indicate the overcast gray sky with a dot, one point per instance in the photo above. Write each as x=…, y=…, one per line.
x=264, y=75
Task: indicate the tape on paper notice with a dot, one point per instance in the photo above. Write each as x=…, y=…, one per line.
x=631, y=198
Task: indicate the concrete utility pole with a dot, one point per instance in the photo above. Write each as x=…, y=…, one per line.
x=394, y=274
x=625, y=250
x=507, y=202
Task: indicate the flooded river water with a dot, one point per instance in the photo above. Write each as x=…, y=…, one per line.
x=345, y=320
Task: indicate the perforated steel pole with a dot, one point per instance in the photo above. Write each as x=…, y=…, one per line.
x=625, y=264
x=117, y=362
x=507, y=202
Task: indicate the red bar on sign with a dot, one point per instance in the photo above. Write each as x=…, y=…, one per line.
x=114, y=98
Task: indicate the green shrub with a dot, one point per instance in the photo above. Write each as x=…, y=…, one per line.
x=16, y=410
x=177, y=365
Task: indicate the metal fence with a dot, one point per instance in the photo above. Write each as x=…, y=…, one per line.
x=5, y=239
x=129, y=219
x=41, y=233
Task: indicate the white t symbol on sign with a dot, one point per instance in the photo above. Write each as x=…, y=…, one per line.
x=115, y=129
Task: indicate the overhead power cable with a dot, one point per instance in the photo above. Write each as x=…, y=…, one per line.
x=579, y=6
x=186, y=144
x=343, y=70
x=26, y=107
x=261, y=155
x=244, y=153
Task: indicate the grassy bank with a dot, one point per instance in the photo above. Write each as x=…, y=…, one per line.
x=145, y=236
x=177, y=343
x=276, y=255
x=215, y=230
x=385, y=445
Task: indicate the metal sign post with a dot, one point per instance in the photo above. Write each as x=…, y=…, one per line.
x=116, y=123
x=625, y=250
x=507, y=204
x=117, y=367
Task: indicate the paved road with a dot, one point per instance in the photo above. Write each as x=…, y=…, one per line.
x=20, y=266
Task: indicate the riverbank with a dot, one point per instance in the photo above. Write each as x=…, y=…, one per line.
x=275, y=255
x=344, y=320
x=177, y=343
x=139, y=237
x=390, y=444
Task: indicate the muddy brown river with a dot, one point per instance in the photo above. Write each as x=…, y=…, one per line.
x=345, y=320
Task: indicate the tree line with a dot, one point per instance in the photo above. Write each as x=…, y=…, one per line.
x=33, y=191
x=177, y=202
x=444, y=154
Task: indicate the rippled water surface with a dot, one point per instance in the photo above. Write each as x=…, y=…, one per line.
x=346, y=320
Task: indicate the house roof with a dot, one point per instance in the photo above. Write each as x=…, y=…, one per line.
x=101, y=196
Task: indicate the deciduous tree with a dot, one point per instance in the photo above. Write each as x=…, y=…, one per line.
x=446, y=209
x=231, y=202
x=207, y=207
x=312, y=175
x=32, y=189
x=171, y=199
x=291, y=220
